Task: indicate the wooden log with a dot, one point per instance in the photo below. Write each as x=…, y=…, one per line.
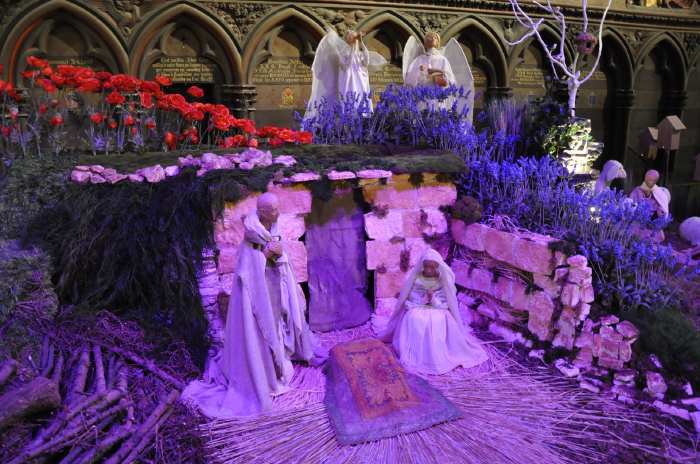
x=100, y=382
x=98, y=452
x=146, y=364
x=142, y=436
x=80, y=378
x=58, y=369
x=41, y=394
x=7, y=371
x=44, y=356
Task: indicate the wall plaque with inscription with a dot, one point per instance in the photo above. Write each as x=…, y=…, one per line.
x=280, y=70
x=186, y=69
x=82, y=61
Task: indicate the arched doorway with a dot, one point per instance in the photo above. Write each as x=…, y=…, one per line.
x=280, y=69
x=189, y=54
x=658, y=82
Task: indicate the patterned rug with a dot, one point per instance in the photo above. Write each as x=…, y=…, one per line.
x=370, y=396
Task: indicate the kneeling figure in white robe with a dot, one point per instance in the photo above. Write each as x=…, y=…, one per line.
x=426, y=328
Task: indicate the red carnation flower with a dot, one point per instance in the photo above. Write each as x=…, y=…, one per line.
x=97, y=118
x=150, y=123
x=253, y=143
x=2, y=85
x=6, y=131
x=57, y=120
x=37, y=62
x=112, y=124
x=170, y=140
x=89, y=84
x=134, y=131
x=304, y=137
x=43, y=108
x=146, y=99
x=103, y=75
x=129, y=120
x=115, y=98
x=196, y=92
x=48, y=85
x=165, y=81
x=47, y=71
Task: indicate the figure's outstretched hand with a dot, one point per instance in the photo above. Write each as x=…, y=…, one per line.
x=273, y=250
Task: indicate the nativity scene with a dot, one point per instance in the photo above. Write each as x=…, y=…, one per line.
x=254, y=233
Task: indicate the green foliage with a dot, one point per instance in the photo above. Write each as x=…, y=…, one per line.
x=671, y=335
x=31, y=184
x=560, y=138
x=26, y=294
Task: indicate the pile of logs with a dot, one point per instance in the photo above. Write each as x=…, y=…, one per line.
x=89, y=406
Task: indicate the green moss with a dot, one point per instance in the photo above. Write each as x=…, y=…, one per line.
x=316, y=158
x=672, y=336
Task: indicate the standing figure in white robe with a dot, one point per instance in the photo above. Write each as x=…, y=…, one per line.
x=265, y=326
x=426, y=328
x=428, y=64
x=658, y=198
x=341, y=70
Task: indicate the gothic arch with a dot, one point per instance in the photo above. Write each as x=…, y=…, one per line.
x=671, y=56
x=30, y=20
x=164, y=18
x=495, y=63
x=372, y=25
x=550, y=33
x=617, y=57
x=309, y=26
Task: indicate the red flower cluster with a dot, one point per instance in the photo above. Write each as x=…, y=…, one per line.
x=132, y=103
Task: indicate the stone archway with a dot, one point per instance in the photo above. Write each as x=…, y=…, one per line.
x=530, y=72
x=278, y=60
x=63, y=33
x=189, y=46
x=659, y=91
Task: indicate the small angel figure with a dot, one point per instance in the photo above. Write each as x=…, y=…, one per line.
x=426, y=328
x=658, y=198
x=341, y=67
x=428, y=64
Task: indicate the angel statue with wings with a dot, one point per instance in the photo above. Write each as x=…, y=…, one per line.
x=341, y=69
x=428, y=64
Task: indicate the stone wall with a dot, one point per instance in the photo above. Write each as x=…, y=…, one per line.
x=404, y=218
x=539, y=291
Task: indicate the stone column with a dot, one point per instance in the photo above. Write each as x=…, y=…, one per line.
x=616, y=143
x=497, y=93
x=241, y=99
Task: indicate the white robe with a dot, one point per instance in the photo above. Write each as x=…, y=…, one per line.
x=426, y=329
x=353, y=77
x=417, y=74
x=265, y=329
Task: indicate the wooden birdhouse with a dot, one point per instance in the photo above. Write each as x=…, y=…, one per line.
x=670, y=129
x=648, y=142
x=696, y=176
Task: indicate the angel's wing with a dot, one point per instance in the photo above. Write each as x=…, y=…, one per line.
x=376, y=61
x=324, y=70
x=463, y=74
x=411, y=51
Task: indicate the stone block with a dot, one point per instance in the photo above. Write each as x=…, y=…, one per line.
x=388, y=284
x=609, y=345
x=579, y=275
x=383, y=253
x=291, y=226
x=625, y=353
x=385, y=306
x=610, y=363
x=547, y=284
x=587, y=294
x=296, y=252
x=97, y=179
x=540, y=304
x=566, y=329
x=470, y=236
x=504, y=288
x=486, y=310
x=609, y=320
x=79, y=176
x=519, y=298
x=293, y=200
x=577, y=261
x=655, y=384
x=499, y=245
x=540, y=327
x=584, y=358
x=532, y=256
x=386, y=227
x=583, y=311
x=152, y=174
x=478, y=279
x=584, y=340
x=427, y=221
x=228, y=259
x=560, y=274
x=570, y=295
x=416, y=248
x=628, y=330
x=394, y=198
x=436, y=195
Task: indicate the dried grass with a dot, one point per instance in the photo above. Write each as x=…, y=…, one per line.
x=512, y=414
